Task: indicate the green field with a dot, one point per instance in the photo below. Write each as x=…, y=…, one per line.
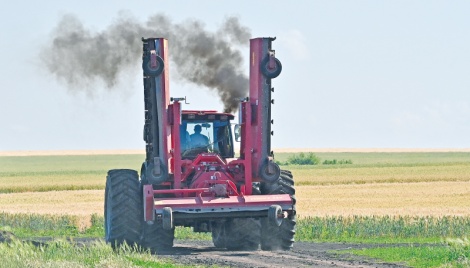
x=55, y=173
x=430, y=178
x=385, y=158
x=383, y=167
x=46, y=173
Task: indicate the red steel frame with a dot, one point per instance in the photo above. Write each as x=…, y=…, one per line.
x=259, y=129
x=163, y=99
x=255, y=148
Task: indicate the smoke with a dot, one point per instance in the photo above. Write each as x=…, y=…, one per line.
x=81, y=57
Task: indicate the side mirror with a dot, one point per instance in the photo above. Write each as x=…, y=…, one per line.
x=237, y=132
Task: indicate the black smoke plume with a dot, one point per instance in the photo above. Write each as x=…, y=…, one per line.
x=80, y=57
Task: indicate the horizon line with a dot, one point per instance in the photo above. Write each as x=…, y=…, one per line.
x=276, y=150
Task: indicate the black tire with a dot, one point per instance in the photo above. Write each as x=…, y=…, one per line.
x=250, y=238
x=270, y=73
x=267, y=177
x=149, y=177
x=242, y=234
x=148, y=70
x=284, y=185
x=282, y=237
x=155, y=238
x=167, y=218
x=123, y=214
x=274, y=213
x=218, y=234
x=237, y=234
x=275, y=238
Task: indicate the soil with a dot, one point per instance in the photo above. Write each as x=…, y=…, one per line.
x=203, y=253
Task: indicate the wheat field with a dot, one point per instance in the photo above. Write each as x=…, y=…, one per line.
x=415, y=184
x=396, y=199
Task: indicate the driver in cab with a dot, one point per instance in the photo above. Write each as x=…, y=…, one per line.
x=198, y=139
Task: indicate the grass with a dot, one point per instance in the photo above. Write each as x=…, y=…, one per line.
x=382, y=167
x=392, y=173
x=36, y=225
x=432, y=234
x=378, y=158
x=419, y=256
x=381, y=229
x=357, y=229
x=55, y=173
x=25, y=225
x=62, y=253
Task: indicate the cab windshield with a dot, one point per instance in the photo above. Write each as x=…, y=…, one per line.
x=203, y=136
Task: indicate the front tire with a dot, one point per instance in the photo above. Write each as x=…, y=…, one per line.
x=279, y=237
x=123, y=212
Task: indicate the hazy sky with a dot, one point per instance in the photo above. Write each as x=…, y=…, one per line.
x=392, y=74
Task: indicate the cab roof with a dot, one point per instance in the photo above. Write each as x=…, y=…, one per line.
x=206, y=115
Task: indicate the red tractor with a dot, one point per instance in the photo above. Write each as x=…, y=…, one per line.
x=196, y=180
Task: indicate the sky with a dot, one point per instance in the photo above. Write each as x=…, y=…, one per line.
x=356, y=74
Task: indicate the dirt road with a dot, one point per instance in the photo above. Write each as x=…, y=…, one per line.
x=203, y=253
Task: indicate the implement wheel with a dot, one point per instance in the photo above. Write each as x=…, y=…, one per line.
x=155, y=70
x=275, y=215
x=123, y=212
x=267, y=70
x=167, y=218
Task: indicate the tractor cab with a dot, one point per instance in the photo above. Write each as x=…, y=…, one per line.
x=206, y=132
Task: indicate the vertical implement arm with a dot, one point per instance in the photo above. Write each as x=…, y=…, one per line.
x=156, y=94
x=264, y=66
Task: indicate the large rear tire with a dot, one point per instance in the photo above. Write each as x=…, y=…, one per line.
x=279, y=237
x=123, y=212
